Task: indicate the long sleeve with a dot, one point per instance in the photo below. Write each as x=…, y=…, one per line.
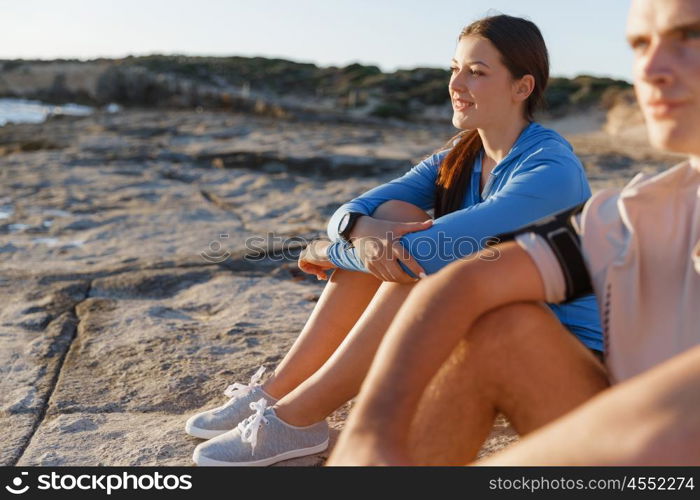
x=542, y=185
x=417, y=186
x=545, y=182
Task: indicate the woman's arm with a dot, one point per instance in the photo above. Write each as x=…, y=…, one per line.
x=543, y=185
x=375, y=247
x=417, y=186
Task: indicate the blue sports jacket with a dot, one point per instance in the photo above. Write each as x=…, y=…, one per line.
x=540, y=175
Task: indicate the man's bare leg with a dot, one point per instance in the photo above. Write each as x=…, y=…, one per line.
x=431, y=323
x=651, y=419
x=518, y=360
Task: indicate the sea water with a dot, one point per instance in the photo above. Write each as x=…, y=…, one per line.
x=28, y=111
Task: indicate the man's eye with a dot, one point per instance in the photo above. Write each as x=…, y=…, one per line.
x=638, y=45
x=690, y=34
x=453, y=68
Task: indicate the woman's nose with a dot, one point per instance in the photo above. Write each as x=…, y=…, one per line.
x=458, y=83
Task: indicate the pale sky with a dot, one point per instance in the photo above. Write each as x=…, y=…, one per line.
x=582, y=36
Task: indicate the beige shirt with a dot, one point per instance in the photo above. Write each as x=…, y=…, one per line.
x=642, y=248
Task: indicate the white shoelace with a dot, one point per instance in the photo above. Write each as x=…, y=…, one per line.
x=237, y=390
x=249, y=427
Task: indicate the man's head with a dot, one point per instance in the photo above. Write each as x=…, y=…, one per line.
x=665, y=38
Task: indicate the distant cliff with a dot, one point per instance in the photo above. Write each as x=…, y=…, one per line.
x=266, y=86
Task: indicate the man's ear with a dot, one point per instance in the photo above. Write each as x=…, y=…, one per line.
x=523, y=87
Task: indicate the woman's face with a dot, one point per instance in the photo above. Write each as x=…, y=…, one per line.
x=481, y=87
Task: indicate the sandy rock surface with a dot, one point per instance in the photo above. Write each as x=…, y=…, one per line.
x=130, y=294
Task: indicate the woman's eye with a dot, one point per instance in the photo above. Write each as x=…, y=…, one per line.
x=476, y=72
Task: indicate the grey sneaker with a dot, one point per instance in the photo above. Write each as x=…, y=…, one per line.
x=262, y=439
x=211, y=423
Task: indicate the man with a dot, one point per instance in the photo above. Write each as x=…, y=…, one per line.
x=639, y=248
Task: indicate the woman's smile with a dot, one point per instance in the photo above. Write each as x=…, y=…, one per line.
x=461, y=104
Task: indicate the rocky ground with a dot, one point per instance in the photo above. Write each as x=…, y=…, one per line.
x=131, y=298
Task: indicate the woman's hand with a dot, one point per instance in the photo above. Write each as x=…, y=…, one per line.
x=378, y=246
x=314, y=259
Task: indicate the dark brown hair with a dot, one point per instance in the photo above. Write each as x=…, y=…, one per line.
x=523, y=52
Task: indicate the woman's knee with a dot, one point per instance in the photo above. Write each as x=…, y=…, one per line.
x=400, y=211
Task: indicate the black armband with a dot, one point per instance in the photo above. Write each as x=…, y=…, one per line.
x=564, y=239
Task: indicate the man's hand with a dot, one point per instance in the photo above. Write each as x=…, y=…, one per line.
x=379, y=247
x=314, y=259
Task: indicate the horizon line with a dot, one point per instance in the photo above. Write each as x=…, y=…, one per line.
x=317, y=64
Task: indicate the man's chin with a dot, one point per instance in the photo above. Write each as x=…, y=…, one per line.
x=670, y=138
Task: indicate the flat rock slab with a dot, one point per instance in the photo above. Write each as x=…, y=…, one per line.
x=156, y=346
x=37, y=326
x=174, y=347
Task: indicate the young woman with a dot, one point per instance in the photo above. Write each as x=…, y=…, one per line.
x=638, y=248
x=502, y=171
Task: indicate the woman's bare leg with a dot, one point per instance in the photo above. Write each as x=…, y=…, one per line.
x=340, y=378
x=343, y=301
x=518, y=360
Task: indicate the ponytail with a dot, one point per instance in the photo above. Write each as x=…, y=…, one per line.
x=455, y=172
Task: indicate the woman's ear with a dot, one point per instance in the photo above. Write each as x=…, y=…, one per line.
x=523, y=87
